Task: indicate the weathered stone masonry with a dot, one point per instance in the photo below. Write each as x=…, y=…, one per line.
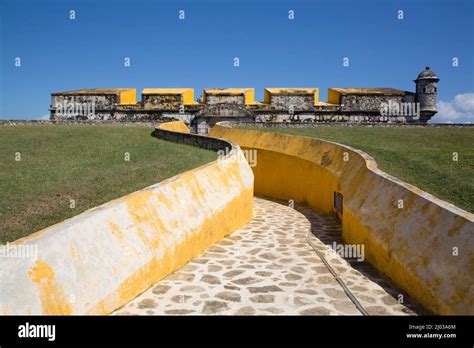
x=289, y=105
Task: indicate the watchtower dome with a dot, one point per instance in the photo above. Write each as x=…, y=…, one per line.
x=426, y=93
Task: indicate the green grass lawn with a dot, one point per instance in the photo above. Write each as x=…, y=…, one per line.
x=83, y=163
x=422, y=156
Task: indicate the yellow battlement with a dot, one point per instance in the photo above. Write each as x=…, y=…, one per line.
x=268, y=92
x=187, y=94
x=127, y=96
x=248, y=93
x=334, y=94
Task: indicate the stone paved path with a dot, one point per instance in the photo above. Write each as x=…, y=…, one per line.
x=268, y=268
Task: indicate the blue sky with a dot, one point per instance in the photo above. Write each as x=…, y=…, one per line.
x=62, y=54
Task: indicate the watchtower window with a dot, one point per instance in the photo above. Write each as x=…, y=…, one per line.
x=424, y=89
x=435, y=89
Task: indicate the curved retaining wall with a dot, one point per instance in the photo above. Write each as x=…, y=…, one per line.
x=413, y=245
x=178, y=132
x=101, y=259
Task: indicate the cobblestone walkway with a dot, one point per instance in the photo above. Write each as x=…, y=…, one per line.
x=268, y=268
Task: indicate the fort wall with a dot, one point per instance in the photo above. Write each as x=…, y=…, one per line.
x=280, y=105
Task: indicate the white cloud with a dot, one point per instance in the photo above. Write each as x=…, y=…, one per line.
x=459, y=110
x=44, y=117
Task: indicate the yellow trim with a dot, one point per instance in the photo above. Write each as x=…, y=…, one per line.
x=128, y=97
x=333, y=96
x=266, y=96
x=250, y=97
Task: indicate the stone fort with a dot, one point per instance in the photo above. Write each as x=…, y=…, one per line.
x=280, y=105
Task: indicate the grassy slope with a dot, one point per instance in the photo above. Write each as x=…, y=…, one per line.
x=84, y=163
x=420, y=156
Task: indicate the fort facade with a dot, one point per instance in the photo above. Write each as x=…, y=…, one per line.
x=295, y=105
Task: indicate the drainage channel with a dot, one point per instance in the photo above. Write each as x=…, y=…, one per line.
x=338, y=279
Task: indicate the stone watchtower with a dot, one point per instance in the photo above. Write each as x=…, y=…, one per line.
x=426, y=93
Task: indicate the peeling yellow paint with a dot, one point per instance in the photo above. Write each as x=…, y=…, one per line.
x=115, y=229
x=50, y=294
x=72, y=250
x=213, y=229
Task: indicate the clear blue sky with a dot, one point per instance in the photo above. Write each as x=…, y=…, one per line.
x=62, y=54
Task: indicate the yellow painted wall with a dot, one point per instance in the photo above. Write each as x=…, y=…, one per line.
x=175, y=126
x=316, y=96
x=273, y=166
x=188, y=96
x=128, y=97
x=413, y=246
x=266, y=96
x=250, y=97
x=333, y=96
x=99, y=260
